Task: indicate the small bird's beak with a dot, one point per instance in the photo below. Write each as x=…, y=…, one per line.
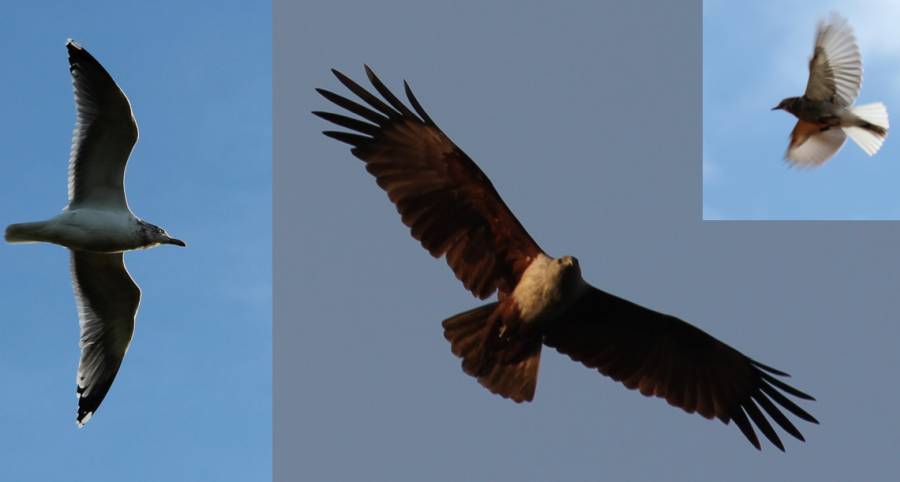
x=176, y=242
x=777, y=107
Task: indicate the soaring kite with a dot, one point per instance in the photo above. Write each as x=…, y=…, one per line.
x=454, y=211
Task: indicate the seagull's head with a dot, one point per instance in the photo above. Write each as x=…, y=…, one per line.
x=790, y=104
x=154, y=235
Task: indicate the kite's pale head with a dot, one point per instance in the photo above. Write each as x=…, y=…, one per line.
x=570, y=275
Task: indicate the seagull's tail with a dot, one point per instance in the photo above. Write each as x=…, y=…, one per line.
x=26, y=232
x=505, y=365
x=872, y=131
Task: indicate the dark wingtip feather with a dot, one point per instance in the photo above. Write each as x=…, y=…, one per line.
x=365, y=95
x=387, y=94
x=353, y=107
x=348, y=122
x=740, y=419
x=769, y=369
x=776, y=415
x=784, y=386
x=786, y=403
x=764, y=426
x=346, y=137
x=416, y=105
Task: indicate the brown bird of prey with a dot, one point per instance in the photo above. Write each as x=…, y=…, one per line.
x=825, y=112
x=454, y=211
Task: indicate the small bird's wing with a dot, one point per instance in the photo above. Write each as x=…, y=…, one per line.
x=105, y=132
x=663, y=356
x=835, y=69
x=811, y=146
x=447, y=201
x=107, y=300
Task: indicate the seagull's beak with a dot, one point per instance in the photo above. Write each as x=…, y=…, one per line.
x=176, y=242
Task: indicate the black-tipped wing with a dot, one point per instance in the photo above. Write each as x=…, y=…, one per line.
x=663, y=356
x=835, y=69
x=105, y=132
x=447, y=201
x=107, y=300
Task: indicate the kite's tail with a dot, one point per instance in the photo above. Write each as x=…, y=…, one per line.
x=507, y=366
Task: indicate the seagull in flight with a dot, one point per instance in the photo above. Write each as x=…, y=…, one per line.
x=454, y=211
x=98, y=227
x=825, y=113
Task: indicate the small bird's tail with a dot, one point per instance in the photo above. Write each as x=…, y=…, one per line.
x=507, y=367
x=871, y=133
x=25, y=232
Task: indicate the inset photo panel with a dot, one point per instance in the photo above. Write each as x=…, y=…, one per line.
x=135, y=270
x=797, y=101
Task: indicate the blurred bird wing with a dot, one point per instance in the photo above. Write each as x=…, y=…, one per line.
x=663, y=356
x=835, y=69
x=107, y=300
x=811, y=146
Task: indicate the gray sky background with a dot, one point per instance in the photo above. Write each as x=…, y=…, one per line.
x=587, y=117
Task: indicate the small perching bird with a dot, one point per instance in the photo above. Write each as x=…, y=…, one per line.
x=453, y=210
x=825, y=112
x=97, y=226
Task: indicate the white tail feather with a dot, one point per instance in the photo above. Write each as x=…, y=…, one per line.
x=865, y=139
x=875, y=114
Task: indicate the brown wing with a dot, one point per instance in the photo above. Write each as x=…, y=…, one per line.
x=447, y=201
x=663, y=356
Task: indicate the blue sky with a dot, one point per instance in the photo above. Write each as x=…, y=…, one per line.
x=755, y=54
x=193, y=398
x=563, y=107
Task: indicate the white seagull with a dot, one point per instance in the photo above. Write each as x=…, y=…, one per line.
x=97, y=226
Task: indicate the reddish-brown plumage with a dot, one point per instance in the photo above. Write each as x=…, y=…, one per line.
x=803, y=130
x=453, y=210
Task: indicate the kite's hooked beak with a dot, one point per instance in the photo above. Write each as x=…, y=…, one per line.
x=176, y=242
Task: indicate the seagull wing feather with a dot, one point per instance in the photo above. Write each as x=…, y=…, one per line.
x=105, y=132
x=107, y=300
